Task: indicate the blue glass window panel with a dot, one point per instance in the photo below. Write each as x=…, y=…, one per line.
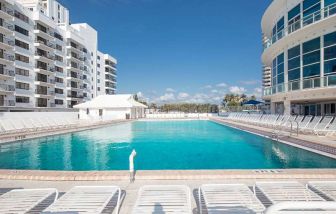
x=329, y=2
x=330, y=53
x=274, y=31
x=280, y=24
x=281, y=78
x=280, y=59
x=280, y=69
x=294, y=63
x=311, y=45
x=294, y=12
x=293, y=52
x=294, y=74
x=274, y=81
x=330, y=66
x=329, y=39
x=308, y=3
x=311, y=70
x=312, y=57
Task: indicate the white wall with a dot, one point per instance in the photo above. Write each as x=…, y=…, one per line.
x=33, y=115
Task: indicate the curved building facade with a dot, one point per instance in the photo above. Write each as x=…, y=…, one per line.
x=300, y=48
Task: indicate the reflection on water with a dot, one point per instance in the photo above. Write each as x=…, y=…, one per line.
x=159, y=145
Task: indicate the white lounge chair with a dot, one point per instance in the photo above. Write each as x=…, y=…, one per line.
x=85, y=199
x=284, y=191
x=323, y=125
x=327, y=188
x=163, y=199
x=312, y=124
x=315, y=207
x=21, y=201
x=7, y=126
x=229, y=198
x=304, y=123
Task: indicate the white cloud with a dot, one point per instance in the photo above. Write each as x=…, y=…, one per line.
x=140, y=94
x=167, y=97
x=207, y=87
x=214, y=91
x=182, y=96
x=221, y=85
x=237, y=90
x=257, y=92
x=170, y=90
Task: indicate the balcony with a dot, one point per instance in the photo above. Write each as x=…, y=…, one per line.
x=44, y=57
x=44, y=81
x=6, y=43
x=44, y=69
x=6, y=27
x=7, y=58
x=6, y=73
x=5, y=88
x=302, y=23
x=41, y=31
x=7, y=103
x=45, y=45
x=6, y=13
x=305, y=84
x=41, y=92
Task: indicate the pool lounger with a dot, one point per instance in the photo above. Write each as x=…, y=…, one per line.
x=23, y=200
x=284, y=191
x=326, y=188
x=315, y=207
x=229, y=198
x=85, y=199
x=163, y=199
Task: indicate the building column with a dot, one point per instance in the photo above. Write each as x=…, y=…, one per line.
x=273, y=106
x=287, y=107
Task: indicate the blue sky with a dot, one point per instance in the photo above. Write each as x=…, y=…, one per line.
x=179, y=50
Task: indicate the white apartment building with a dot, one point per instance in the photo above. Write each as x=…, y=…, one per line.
x=46, y=63
x=300, y=48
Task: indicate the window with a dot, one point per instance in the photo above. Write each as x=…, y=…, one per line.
x=22, y=44
x=59, y=69
x=20, y=99
x=58, y=80
x=21, y=58
x=58, y=102
x=20, y=16
x=58, y=36
x=294, y=63
x=59, y=47
x=311, y=58
x=58, y=58
x=22, y=72
x=58, y=91
x=330, y=53
x=311, y=12
x=21, y=30
x=21, y=85
x=294, y=17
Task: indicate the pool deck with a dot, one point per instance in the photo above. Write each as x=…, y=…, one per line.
x=192, y=179
x=324, y=145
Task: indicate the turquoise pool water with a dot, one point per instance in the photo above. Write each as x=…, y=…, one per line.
x=159, y=145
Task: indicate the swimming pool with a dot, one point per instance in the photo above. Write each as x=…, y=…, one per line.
x=159, y=145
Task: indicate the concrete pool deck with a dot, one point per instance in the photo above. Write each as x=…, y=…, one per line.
x=192, y=179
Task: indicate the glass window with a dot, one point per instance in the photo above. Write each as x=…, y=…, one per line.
x=312, y=57
x=329, y=39
x=280, y=59
x=311, y=45
x=281, y=78
x=330, y=66
x=293, y=52
x=294, y=63
x=294, y=12
x=329, y=2
x=311, y=70
x=308, y=3
x=280, y=69
x=294, y=74
x=330, y=53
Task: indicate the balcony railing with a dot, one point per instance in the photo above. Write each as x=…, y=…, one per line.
x=49, y=44
x=48, y=56
x=46, y=80
x=6, y=56
x=44, y=92
x=7, y=103
x=7, y=41
x=45, y=68
x=312, y=83
x=7, y=72
x=45, y=31
x=5, y=87
x=305, y=21
x=7, y=10
x=6, y=25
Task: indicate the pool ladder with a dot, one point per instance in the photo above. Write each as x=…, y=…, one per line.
x=280, y=127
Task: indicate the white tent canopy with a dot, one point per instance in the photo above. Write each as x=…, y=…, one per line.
x=109, y=107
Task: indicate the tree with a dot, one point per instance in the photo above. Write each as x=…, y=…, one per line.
x=253, y=97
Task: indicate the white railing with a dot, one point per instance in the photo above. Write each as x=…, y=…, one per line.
x=311, y=83
x=7, y=72
x=5, y=87
x=305, y=21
